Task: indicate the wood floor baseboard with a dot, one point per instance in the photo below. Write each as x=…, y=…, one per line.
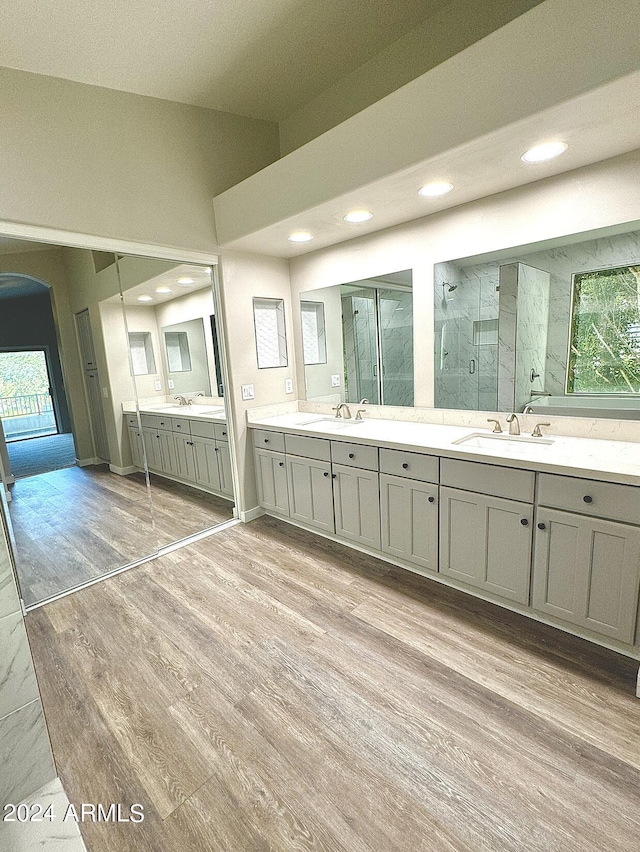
x=123, y=471
x=251, y=514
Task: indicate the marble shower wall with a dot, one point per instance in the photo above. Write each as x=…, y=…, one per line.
x=25, y=753
x=396, y=333
x=466, y=341
x=531, y=333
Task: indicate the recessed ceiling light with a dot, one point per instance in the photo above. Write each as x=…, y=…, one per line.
x=145, y=298
x=356, y=216
x=435, y=188
x=186, y=282
x=543, y=152
x=164, y=290
x=300, y=237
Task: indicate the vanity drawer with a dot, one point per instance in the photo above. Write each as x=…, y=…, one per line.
x=310, y=448
x=268, y=440
x=131, y=420
x=586, y=497
x=221, y=432
x=180, y=424
x=356, y=455
x=201, y=429
x=488, y=479
x=156, y=421
x=411, y=465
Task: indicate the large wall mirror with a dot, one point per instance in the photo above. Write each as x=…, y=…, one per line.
x=113, y=428
x=550, y=330
x=357, y=341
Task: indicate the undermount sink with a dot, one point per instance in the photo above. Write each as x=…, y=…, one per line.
x=502, y=443
x=330, y=422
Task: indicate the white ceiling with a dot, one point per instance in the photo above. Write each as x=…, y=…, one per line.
x=260, y=58
x=200, y=275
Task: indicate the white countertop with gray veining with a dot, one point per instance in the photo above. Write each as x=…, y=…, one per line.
x=613, y=461
x=190, y=412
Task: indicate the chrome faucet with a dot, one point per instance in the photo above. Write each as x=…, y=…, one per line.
x=181, y=400
x=364, y=402
x=528, y=409
x=342, y=410
x=536, y=430
x=199, y=393
x=514, y=426
x=359, y=413
x=497, y=427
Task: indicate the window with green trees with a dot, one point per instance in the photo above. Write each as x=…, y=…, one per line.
x=604, y=352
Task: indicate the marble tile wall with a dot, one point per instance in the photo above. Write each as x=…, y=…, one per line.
x=25, y=753
x=396, y=331
x=57, y=835
x=531, y=332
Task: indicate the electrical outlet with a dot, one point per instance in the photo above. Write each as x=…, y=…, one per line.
x=171, y=384
x=248, y=392
x=157, y=385
x=288, y=385
x=105, y=393
x=335, y=381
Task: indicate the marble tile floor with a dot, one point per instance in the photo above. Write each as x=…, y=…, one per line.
x=55, y=835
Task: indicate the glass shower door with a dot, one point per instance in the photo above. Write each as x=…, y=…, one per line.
x=360, y=345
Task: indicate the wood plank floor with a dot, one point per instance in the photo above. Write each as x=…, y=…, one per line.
x=76, y=524
x=265, y=689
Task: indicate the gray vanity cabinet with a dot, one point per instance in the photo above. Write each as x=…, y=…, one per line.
x=587, y=568
x=485, y=541
x=185, y=457
x=409, y=520
x=310, y=492
x=356, y=504
x=271, y=481
x=152, y=447
x=135, y=442
x=168, y=457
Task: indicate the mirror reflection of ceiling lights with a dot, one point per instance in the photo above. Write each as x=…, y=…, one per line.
x=540, y=153
x=170, y=285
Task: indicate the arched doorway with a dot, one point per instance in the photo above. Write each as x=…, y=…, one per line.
x=34, y=412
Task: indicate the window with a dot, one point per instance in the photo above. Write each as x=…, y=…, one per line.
x=314, y=342
x=141, y=349
x=604, y=347
x=271, y=338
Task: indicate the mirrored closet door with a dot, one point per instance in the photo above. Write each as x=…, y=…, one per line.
x=120, y=446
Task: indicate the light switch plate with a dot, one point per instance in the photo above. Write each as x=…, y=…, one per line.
x=157, y=385
x=288, y=385
x=248, y=392
x=171, y=384
x=335, y=381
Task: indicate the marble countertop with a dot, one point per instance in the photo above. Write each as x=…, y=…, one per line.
x=191, y=412
x=613, y=461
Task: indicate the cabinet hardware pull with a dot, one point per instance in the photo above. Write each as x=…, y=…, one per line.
x=224, y=434
x=588, y=498
x=524, y=522
x=405, y=466
x=266, y=440
x=217, y=450
x=352, y=455
x=325, y=473
x=334, y=476
x=542, y=526
x=280, y=464
x=431, y=499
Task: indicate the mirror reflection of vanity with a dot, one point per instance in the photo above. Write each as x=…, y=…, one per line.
x=358, y=341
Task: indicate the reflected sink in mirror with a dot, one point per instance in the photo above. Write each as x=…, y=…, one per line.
x=330, y=423
x=502, y=443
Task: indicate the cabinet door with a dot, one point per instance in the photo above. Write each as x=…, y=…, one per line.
x=151, y=441
x=310, y=492
x=168, y=458
x=486, y=542
x=271, y=479
x=586, y=571
x=409, y=520
x=206, y=459
x=135, y=442
x=356, y=503
x=185, y=457
x=85, y=340
x=224, y=468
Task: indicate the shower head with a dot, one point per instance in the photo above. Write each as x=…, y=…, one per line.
x=450, y=287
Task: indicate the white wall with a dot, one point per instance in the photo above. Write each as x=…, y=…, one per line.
x=600, y=196
x=244, y=276
x=95, y=161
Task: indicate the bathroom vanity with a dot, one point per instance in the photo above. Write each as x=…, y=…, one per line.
x=548, y=527
x=186, y=443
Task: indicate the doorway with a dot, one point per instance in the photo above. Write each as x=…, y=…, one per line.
x=26, y=395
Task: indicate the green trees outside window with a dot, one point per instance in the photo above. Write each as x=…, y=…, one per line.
x=604, y=352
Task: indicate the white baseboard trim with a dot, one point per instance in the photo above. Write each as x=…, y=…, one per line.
x=252, y=514
x=87, y=462
x=10, y=479
x=123, y=471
